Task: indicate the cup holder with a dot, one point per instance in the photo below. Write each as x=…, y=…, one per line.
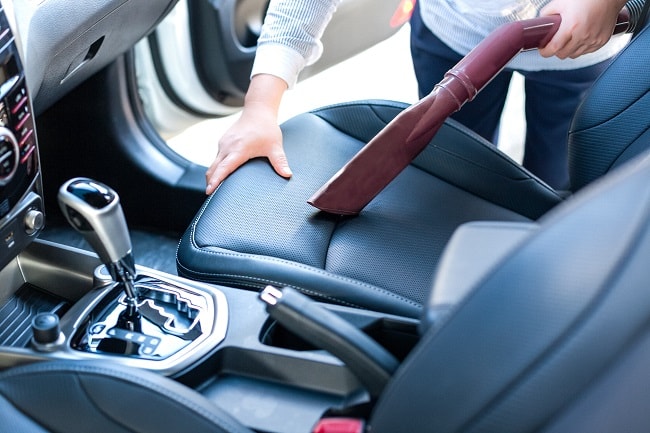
x=397, y=335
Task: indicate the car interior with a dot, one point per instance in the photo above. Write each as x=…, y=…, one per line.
x=467, y=295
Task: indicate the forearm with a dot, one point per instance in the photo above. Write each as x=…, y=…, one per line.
x=265, y=92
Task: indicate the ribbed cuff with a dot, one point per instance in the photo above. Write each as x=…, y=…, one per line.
x=280, y=61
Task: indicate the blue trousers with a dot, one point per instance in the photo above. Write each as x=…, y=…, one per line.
x=551, y=100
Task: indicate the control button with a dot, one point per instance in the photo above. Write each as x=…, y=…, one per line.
x=147, y=345
x=22, y=116
x=47, y=335
x=34, y=221
x=46, y=328
x=26, y=152
x=97, y=328
x=25, y=134
x=10, y=239
x=101, y=276
x=8, y=156
x=19, y=100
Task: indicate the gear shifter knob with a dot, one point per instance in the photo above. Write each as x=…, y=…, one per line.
x=94, y=210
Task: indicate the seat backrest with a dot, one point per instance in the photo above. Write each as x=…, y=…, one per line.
x=543, y=327
x=103, y=397
x=612, y=124
x=549, y=339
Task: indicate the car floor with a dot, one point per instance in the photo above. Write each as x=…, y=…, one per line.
x=152, y=250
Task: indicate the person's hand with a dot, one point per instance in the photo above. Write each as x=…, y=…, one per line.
x=255, y=134
x=586, y=26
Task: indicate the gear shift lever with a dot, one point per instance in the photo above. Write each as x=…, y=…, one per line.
x=94, y=210
x=158, y=317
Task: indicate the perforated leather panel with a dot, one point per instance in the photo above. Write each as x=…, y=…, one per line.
x=537, y=331
x=258, y=229
x=611, y=127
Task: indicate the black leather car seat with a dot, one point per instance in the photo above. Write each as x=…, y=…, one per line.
x=257, y=228
x=99, y=397
x=553, y=338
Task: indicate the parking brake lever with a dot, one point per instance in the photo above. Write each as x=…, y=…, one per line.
x=370, y=362
x=93, y=209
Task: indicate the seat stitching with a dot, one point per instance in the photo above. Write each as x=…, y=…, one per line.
x=266, y=281
x=274, y=259
x=364, y=103
x=301, y=266
x=282, y=261
x=207, y=415
x=614, y=115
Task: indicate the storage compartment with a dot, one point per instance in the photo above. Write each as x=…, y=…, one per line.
x=91, y=35
x=275, y=389
x=272, y=380
x=21, y=308
x=396, y=334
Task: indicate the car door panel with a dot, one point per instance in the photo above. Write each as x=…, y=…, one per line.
x=222, y=38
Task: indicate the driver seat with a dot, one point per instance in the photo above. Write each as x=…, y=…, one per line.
x=257, y=228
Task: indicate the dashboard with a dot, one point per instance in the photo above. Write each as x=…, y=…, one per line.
x=21, y=204
x=40, y=63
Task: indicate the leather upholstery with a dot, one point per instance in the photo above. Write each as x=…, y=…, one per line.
x=554, y=337
x=99, y=397
x=256, y=229
x=539, y=339
x=611, y=125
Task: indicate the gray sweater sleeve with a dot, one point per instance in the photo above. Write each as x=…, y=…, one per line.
x=297, y=24
x=290, y=36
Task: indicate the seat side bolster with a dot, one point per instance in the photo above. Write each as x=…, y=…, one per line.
x=466, y=160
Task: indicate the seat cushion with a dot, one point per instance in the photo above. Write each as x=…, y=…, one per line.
x=257, y=228
x=101, y=397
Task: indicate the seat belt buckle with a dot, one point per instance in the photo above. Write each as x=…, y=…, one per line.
x=340, y=425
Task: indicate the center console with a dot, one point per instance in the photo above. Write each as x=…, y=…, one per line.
x=58, y=302
x=220, y=340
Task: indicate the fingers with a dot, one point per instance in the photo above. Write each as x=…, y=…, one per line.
x=568, y=42
x=565, y=47
x=586, y=26
x=279, y=162
x=220, y=169
x=558, y=44
x=224, y=165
